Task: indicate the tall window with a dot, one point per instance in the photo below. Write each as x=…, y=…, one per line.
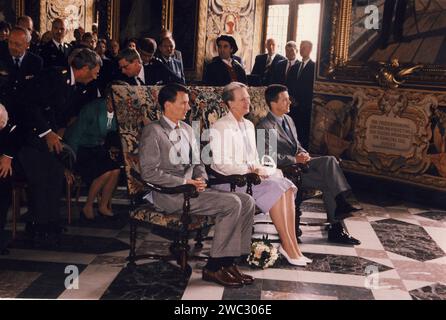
x=293, y=20
x=308, y=25
x=278, y=25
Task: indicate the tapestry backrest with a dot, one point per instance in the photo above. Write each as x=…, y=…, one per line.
x=136, y=106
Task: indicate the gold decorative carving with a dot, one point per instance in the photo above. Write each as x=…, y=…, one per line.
x=167, y=15
x=19, y=8
x=347, y=90
x=392, y=75
x=201, y=38
x=425, y=180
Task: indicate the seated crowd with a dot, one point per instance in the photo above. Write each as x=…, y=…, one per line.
x=55, y=97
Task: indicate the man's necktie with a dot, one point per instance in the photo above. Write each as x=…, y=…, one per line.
x=61, y=48
x=140, y=82
x=268, y=61
x=17, y=63
x=288, y=67
x=301, y=68
x=184, y=151
x=287, y=129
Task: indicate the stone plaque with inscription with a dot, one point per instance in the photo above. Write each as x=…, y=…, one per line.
x=393, y=131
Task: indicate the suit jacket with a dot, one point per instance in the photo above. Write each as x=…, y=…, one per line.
x=53, y=57
x=169, y=75
x=90, y=128
x=155, y=73
x=278, y=72
x=301, y=87
x=61, y=100
x=229, y=156
x=19, y=95
x=155, y=163
x=260, y=67
x=217, y=74
x=287, y=148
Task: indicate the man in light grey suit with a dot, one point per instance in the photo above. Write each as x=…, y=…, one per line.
x=166, y=151
x=323, y=172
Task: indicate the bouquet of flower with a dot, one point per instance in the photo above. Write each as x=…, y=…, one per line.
x=263, y=254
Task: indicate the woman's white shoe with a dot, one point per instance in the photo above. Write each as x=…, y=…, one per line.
x=307, y=260
x=296, y=262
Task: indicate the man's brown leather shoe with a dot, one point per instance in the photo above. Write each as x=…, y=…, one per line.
x=222, y=277
x=246, y=279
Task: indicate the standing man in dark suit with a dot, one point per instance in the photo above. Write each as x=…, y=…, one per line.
x=55, y=52
x=233, y=211
x=323, y=172
x=137, y=74
x=265, y=63
x=224, y=69
x=281, y=69
x=61, y=93
x=173, y=67
x=300, y=83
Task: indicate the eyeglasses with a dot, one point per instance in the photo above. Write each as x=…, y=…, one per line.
x=124, y=67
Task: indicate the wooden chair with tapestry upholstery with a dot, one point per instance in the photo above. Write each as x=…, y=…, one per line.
x=136, y=107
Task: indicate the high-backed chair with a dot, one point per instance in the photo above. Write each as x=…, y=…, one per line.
x=135, y=107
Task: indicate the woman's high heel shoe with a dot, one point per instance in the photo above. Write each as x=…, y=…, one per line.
x=108, y=216
x=83, y=216
x=296, y=262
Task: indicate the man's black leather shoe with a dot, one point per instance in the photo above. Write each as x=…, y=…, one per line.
x=337, y=234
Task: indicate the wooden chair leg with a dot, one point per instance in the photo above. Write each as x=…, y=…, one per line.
x=199, y=240
x=15, y=209
x=69, y=201
x=78, y=191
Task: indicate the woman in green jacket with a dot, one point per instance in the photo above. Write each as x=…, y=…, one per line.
x=94, y=138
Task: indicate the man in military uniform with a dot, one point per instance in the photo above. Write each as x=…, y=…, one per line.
x=62, y=93
x=55, y=52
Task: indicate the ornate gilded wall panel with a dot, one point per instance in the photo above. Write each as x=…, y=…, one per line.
x=399, y=134
x=75, y=13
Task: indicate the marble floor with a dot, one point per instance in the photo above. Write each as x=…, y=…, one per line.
x=402, y=256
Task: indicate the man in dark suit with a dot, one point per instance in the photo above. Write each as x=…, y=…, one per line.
x=61, y=93
x=265, y=63
x=281, y=69
x=173, y=67
x=55, y=52
x=224, y=69
x=323, y=172
x=136, y=74
x=300, y=83
x=8, y=148
x=19, y=71
x=233, y=211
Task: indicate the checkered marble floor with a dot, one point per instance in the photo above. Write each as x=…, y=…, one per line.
x=402, y=256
